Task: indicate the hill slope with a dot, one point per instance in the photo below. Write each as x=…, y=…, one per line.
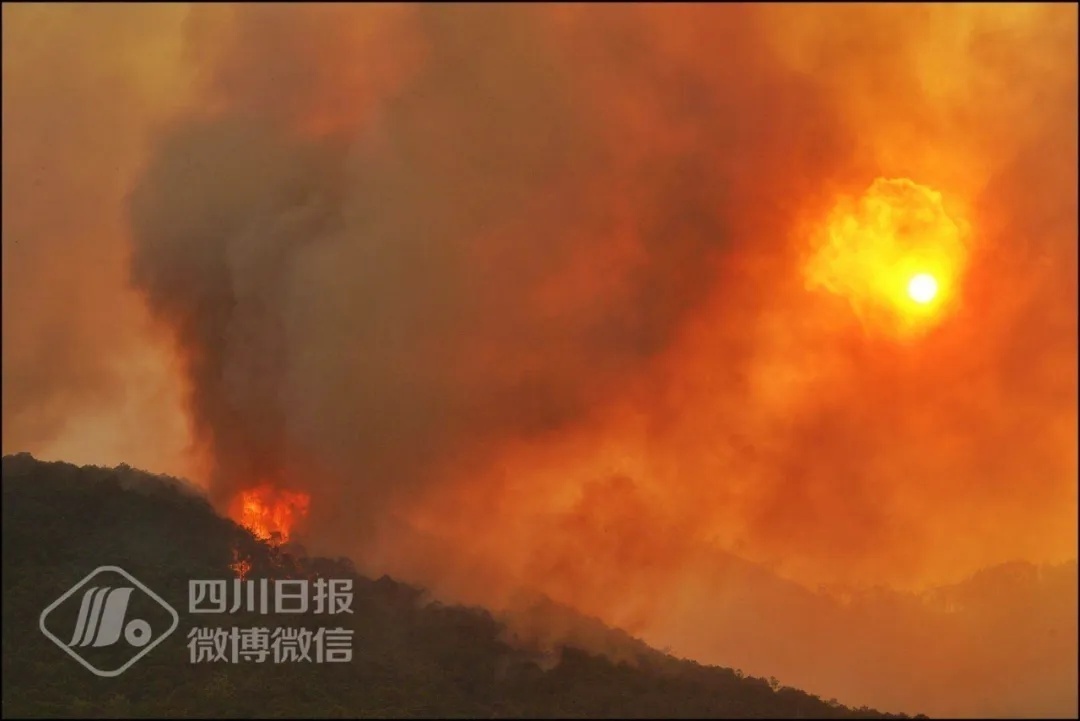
x=411, y=658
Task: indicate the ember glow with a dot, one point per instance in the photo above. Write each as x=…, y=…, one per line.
x=271, y=514
x=240, y=566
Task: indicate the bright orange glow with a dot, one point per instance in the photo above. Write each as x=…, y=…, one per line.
x=270, y=513
x=922, y=288
x=240, y=566
x=895, y=254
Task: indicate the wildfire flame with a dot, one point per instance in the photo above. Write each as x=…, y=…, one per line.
x=270, y=513
x=240, y=566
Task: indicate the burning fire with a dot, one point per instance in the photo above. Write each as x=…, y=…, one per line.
x=240, y=566
x=270, y=513
x=894, y=253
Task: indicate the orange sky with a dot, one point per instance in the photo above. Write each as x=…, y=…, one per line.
x=560, y=295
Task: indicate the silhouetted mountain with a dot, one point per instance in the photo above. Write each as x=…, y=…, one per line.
x=1000, y=644
x=412, y=656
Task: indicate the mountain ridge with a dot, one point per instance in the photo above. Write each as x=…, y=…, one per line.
x=418, y=656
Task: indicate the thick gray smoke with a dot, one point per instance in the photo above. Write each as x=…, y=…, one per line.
x=478, y=257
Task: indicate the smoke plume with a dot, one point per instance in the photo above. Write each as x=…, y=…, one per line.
x=519, y=295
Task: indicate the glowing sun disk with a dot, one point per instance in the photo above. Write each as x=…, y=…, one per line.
x=922, y=288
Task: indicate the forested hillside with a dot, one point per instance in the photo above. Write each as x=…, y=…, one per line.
x=411, y=656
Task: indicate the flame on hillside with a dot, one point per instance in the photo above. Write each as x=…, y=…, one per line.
x=270, y=513
x=240, y=566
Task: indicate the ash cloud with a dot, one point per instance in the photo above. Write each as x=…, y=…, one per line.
x=476, y=259
x=516, y=294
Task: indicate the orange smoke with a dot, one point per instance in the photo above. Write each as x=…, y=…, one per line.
x=270, y=513
x=895, y=253
x=569, y=298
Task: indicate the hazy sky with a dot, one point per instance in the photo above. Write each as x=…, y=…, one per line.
x=572, y=296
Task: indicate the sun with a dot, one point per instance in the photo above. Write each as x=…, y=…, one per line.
x=922, y=288
x=895, y=253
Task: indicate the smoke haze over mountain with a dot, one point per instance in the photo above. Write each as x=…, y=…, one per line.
x=518, y=294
